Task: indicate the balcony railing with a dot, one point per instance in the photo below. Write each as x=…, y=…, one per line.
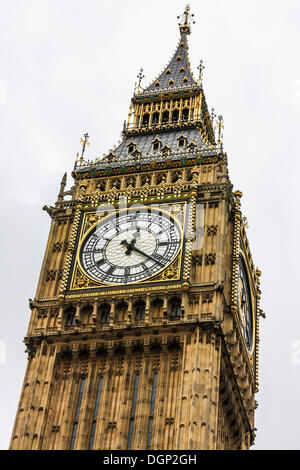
x=155, y=126
x=170, y=89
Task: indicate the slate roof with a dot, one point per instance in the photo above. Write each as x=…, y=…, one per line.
x=144, y=142
x=174, y=66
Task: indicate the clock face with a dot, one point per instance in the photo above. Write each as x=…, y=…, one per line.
x=130, y=246
x=245, y=305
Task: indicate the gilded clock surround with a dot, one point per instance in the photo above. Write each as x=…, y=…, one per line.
x=178, y=332
x=81, y=280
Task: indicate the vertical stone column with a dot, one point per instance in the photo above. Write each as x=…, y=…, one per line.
x=95, y=310
x=200, y=387
x=112, y=313
x=147, y=310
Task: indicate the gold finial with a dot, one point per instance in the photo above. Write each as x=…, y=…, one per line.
x=186, y=14
x=85, y=142
x=185, y=24
x=220, y=124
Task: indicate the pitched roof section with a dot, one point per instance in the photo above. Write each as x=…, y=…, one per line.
x=178, y=72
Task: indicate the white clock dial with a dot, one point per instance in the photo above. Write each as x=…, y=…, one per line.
x=130, y=246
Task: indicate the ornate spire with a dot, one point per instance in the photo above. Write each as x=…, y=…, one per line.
x=177, y=74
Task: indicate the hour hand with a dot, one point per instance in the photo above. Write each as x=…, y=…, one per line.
x=128, y=246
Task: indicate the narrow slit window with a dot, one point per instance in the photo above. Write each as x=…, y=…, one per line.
x=94, y=421
x=75, y=424
x=132, y=413
x=152, y=408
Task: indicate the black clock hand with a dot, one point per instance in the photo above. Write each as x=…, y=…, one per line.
x=128, y=246
x=131, y=247
x=147, y=256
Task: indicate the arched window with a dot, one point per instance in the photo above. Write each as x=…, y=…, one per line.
x=70, y=316
x=165, y=116
x=175, y=310
x=146, y=118
x=139, y=310
x=191, y=147
x=131, y=147
x=181, y=141
x=185, y=114
x=86, y=313
x=121, y=310
x=166, y=150
x=156, y=145
x=104, y=313
x=155, y=118
x=175, y=115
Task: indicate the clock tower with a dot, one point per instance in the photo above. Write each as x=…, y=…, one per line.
x=144, y=328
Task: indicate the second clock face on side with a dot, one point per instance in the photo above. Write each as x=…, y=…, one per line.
x=129, y=247
x=245, y=305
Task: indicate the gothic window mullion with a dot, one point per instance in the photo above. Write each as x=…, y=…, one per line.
x=132, y=412
x=95, y=415
x=77, y=414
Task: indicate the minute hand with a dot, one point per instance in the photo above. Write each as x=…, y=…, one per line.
x=145, y=254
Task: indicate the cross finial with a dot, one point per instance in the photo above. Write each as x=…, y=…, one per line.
x=186, y=18
x=140, y=77
x=213, y=115
x=200, y=67
x=85, y=142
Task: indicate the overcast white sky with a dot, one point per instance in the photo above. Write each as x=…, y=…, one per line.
x=69, y=66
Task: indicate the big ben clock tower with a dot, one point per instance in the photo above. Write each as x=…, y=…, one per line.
x=144, y=327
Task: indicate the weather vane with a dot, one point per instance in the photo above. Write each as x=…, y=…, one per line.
x=85, y=142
